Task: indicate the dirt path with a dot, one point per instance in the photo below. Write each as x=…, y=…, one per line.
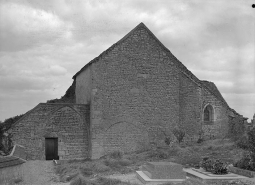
x=40, y=173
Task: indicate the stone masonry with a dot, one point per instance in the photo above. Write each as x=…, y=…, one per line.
x=67, y=122
x=139, y=92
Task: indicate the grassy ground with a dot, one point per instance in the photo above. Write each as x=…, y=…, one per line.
x=92, y=172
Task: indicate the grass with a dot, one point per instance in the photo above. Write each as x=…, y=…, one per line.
x=90, y=171
x=80, y=180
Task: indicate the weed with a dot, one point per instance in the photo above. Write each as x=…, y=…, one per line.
x=179, y=134
x=116, y=155
x=158, y=154
x=187, y=156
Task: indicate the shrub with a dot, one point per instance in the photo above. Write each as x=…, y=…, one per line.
x=158, y=154
x=207, y=164
x=214, y=166
x=219, y=167
x=200, y=136
x=116, y=155
x=251, y=140
x=243, y=143
x=246, y=162
x=179, y=134
x=248, y=159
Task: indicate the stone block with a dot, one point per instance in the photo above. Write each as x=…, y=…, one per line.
x=164, y=170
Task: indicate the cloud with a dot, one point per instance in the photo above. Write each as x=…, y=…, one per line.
x=44, y=43
x=23, y=26
x=56, y=70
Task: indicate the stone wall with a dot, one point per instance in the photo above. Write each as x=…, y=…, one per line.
x=190, y=107
x=83, y=87
x=135, y=84
x=219, y=126
x=67, y=122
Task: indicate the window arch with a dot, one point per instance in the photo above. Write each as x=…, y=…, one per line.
x=208, y=114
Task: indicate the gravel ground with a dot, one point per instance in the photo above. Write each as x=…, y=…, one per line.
x=40, y=173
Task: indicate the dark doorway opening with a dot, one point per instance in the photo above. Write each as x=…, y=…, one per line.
x=51, y=148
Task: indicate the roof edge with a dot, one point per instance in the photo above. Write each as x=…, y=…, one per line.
x=110, y=48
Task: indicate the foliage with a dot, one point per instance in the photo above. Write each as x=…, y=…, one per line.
x=6, y=143
x=214, y=166
x=251, y=140
x=179, y=134
x=236, y=127
x=69, y=96
x=246, y=162
x=248, y=159
x=116, y=155
x=80, y=180
x=158, y=154
x=243, y=143
x=200, y=136
x=189, y=157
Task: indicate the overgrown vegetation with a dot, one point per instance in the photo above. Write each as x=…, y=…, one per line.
x=6, y=143
x=248, y=159
x=179, y=134
x=214, y=166
x=88, y=171
x=69, y=96
x=80, y=180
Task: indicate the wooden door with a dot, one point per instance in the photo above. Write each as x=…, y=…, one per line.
x=51, y=148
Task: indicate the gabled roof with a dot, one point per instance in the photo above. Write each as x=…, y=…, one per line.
x=208, y=85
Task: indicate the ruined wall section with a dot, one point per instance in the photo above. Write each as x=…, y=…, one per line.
x=67, y=122
x=83, y=87
x=136, y=84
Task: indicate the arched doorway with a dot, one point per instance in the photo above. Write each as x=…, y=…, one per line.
x=208, y=114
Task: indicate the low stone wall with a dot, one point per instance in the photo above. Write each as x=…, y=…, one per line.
x=243, y=172
x=11, y=170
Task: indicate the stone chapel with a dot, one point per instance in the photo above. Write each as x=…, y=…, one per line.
x=129, y=97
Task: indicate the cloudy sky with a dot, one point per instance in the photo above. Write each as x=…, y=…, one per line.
x=44, y=43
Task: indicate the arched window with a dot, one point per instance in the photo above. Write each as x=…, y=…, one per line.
x=208, y=114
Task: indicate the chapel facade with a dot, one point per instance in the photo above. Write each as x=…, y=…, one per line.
x=128, y=98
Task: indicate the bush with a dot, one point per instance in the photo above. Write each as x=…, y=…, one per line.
x=243, y=143
x=116, y=155
x=158, y=154
x=248, y=159
x=246, y=162
x=251, y=140
x=179, y=134
x=214, y=166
